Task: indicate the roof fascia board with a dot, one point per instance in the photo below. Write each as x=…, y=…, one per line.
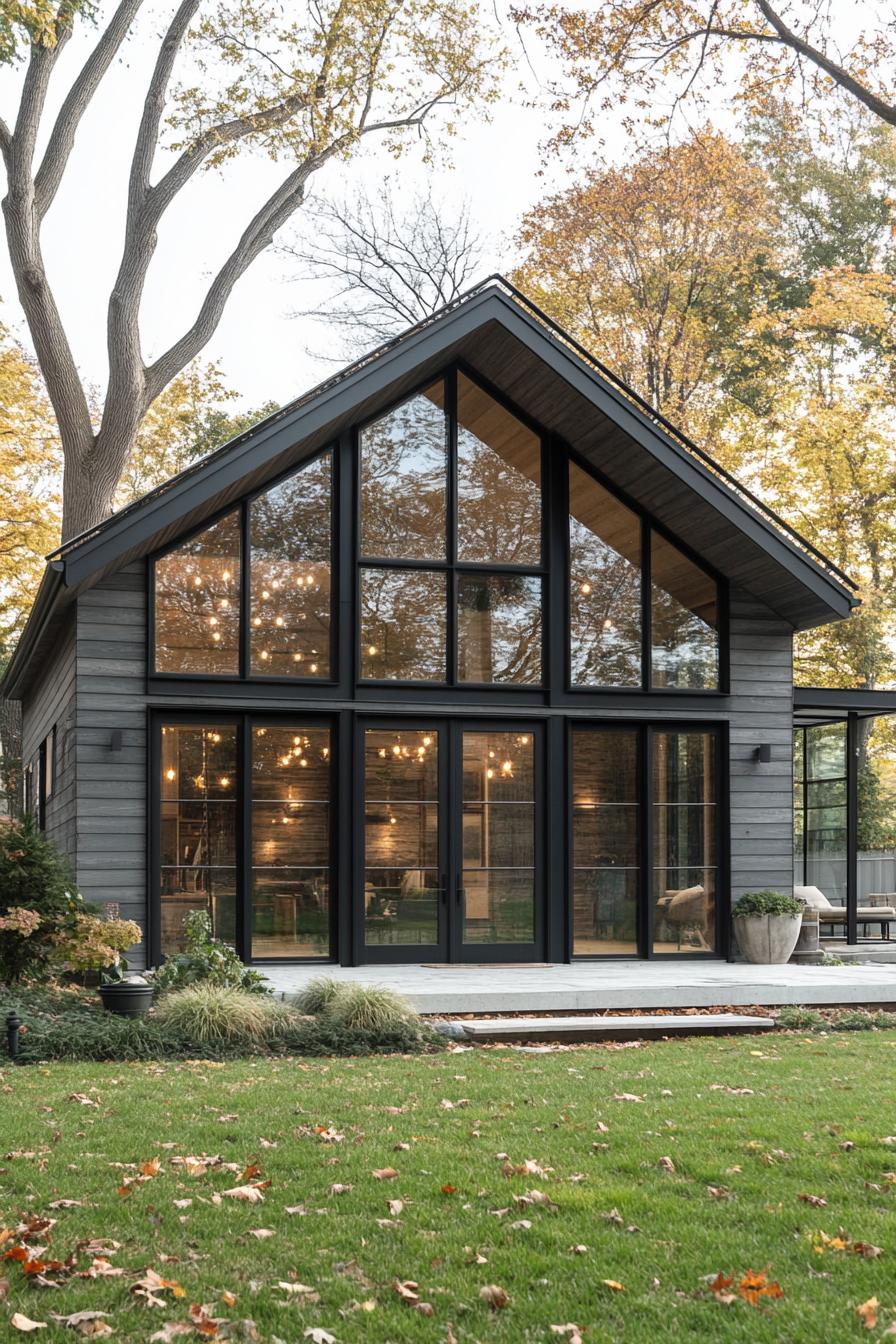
x=654, y=438
x=139, y=527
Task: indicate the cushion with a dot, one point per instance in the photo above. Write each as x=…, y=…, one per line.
x=815, y=899
x=686, y=905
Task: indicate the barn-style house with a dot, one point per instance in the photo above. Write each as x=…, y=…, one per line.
x=465, y=655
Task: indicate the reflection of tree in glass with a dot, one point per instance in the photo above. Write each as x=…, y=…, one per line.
x=499, y=628
x=291, y=548
x=403, y=624
x=403, y=480
x=197, y=590
x=605, y=586
x=498, y=482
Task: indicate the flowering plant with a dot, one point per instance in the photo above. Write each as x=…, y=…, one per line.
x=97, y=944
x=38, y=900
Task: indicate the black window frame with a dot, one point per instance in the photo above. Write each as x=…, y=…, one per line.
x=345, y=685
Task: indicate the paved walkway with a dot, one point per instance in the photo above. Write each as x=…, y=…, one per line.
x=617, y=984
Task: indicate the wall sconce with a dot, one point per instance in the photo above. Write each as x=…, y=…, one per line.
x=763, y=754
x=116, y=740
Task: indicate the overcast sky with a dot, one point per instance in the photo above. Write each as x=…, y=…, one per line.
x=264, y=352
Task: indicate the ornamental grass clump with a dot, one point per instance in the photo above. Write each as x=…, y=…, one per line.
x=209, y=1013
x=369, y=1008
x=319, y=994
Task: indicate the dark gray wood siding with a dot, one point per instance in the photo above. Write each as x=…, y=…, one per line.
x=51, y=704
x=112, y=803
x=102, y=799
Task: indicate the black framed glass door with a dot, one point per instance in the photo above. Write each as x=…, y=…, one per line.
x=451, y=835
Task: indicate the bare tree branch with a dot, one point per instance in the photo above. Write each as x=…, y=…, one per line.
x=886, y=111
x=62, y=136
x=256, y=237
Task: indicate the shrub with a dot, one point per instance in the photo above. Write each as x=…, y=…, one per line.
x=93, y=943
x=884, y=1021
x=318, y=994
x=756, y=903
x=800, y=1018
x=205, y=1012
x=853, y=1019
x=369, y=1008
x=38, y=900
x=206, y=959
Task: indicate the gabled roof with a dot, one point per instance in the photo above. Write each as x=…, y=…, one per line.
x=508, y=340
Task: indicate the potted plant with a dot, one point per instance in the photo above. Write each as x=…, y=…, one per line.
x=767, y=924
x=99, y=944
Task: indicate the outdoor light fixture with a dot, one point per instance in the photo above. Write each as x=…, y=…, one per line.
x=763, y=754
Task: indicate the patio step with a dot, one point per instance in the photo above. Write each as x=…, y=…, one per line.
x=853, y=954
x=606, y=1028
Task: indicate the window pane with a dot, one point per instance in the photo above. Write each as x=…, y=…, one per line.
x=197, y=603
x=684, y=841
x=605, y=843
x=498, y=482
x=685, y=618
x=605, y=586
x=403, y=614
x=401, y=837
x=498, y=838
x=289, y=528
x=404, y=472
x=499, y=628
x=290, y=837
x=198, y=830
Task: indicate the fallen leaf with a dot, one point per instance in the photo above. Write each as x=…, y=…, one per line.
x=66, y=1204
x=262, y=1232
x=497, y=1297
x=384, y=1174
x=614, y=1285
x=306, y=1295
x=317, y=1335
x=337, y=1189
x=252, y=1194
x=580, y=1249
x=572, y=1333
x=83, y=1099
x=867, y=1313
x=395, y=1207
x=627, y=1096
x=817, y=1201
x=407, y=1291
x=667, y=1164
x=20, y=1322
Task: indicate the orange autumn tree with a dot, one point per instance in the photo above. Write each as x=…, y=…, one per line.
x=657, y=267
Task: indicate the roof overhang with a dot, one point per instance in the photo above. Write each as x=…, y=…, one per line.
x=823, y=704
x=516, y=348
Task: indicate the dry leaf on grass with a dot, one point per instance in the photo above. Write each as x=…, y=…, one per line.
x=318, y=1335
x=262, y=1233
x=614, y=1285
x=302, y=1292
x=497, y=1297
x=666, y=1164
x=867, y=1313
x=817, y=1201
x=23, y=1323
x=252, y=1194
x=626, y=1096
x=571, y=1333
x=384, y=1174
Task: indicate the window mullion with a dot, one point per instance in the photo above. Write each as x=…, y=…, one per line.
x=451, y=668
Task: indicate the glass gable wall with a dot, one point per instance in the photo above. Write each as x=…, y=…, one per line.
x=474, y=569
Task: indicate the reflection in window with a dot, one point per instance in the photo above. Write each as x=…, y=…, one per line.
x=499, y=628
x=290, y=832
x=198, y=830
x=289, y=528
x=401, y=837
x=876, y=816
x=498, y=482
x=605, y=586
x=404, y=480
x=684, y=841
x=820, y=779
x=197, y=603
x=684, y=620
x=605, y=799
x=403, y=614
x=498, y=838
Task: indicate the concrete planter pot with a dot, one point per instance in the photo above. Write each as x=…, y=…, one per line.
x=808, y=940
x=767, y=940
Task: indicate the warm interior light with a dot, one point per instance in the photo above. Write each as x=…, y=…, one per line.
x=396, y=750
x=427, y=741
x=213, y=620
x=223, y=604
x=197, y=582
x=585, y=588
x=264, y=655
x=226, y=576
x=278, y=620
x=285, y=760
x=224, y=781
x=216, y=635
x=256, y=620
x=314, y=667
x=170, y=775
x=608, y=624
x=371, y=649
x=489, y=774
x=391, y=821
x=215, y=737
x=265, y=594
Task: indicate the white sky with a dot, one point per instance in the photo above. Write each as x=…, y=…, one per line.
x=263, y=351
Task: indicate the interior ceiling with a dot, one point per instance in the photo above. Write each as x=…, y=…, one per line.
x=522, y=376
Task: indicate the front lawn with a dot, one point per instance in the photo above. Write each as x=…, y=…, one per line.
x=642, y=1201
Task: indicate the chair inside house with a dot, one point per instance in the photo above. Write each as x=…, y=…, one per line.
x=875, y=909
x=687, y=914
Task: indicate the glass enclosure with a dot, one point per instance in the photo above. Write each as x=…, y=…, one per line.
x=606, y=845
x=498, y=877
x=685, y=850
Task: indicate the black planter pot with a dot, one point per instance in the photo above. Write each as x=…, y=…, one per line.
x=126, y=999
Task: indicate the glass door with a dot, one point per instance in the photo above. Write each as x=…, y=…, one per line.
x=498, y=848
x=451, y=841
x=403, y=872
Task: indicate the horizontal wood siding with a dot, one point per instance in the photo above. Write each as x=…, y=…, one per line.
x=761, y=712
x=112, y=801
x=50, y=704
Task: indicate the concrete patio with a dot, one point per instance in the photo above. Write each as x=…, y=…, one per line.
x=585, y=986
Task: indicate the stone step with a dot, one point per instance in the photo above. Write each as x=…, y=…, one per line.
x=853, y=954
x=608, y=1028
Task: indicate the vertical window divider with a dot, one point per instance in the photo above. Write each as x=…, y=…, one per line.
x=244, y=839
x=245, y=590
x=646, y=902
x=556, y=559
x=345, y=643
x=646, y=608
x=451, y=513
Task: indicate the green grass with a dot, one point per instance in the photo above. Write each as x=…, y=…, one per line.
x=809, y=1096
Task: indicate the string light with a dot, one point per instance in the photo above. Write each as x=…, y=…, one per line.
x=170, y=775
x=264, y=655
x=585, y=588
x=224, y=781
x=226, y=576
